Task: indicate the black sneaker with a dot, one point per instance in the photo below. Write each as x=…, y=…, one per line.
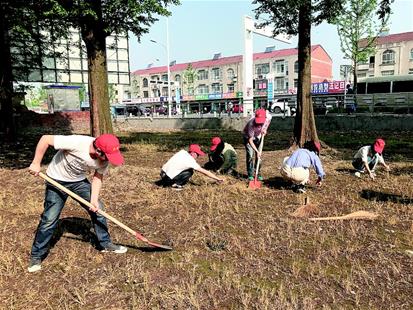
x=115, y=249
x=35, y=264
x=177, y=187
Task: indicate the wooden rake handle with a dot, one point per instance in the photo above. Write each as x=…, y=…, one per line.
x=259, y=159
x=88, y=204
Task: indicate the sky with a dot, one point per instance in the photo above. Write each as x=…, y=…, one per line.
x=200, y=28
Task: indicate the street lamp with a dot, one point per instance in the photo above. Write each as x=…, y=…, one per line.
x=167, y=66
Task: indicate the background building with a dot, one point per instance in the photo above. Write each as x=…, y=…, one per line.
x=394, y=56
x=72, y=67
x=220, y=78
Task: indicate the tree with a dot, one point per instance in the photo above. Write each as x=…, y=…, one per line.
x=358, y=21
x=297, y=17
x=188, y=79
x=28, y=28
x=98, y=19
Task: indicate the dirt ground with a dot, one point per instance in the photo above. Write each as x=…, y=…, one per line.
x=233, y=248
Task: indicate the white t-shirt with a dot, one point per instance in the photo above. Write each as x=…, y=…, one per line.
x=179, y=162
x=72, y=162
x=365, y=151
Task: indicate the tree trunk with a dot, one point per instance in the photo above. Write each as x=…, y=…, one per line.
x=7, y=124
x=95, y=41
x=355, y=77
x=304, y=126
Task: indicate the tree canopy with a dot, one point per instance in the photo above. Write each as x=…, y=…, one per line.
x=98, y=19
x=358, y=27
x=296, y=17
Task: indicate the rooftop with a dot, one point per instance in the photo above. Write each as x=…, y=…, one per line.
x=221, y=61
x=393, y=38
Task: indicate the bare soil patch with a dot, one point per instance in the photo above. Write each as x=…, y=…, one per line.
x=233, y=247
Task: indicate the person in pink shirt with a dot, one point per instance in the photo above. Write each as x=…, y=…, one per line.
x=254, y=131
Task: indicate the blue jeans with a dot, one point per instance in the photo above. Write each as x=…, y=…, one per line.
x=372, y=162
x=250, y=156
x=53, y=204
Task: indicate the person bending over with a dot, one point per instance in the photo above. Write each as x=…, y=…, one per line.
x=77, y=156
x=180, y=167
x=296, y=167
x=367, y=158
x=222, y=157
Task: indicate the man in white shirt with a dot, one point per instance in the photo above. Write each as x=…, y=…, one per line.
x=77, y=157
x=180, y=167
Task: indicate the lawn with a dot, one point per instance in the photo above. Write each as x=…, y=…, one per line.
x=233, y=248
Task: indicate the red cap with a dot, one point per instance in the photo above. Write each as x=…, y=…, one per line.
x=110, y=145
x=215, y=142
x=379, y=146
x=260, y=116
x=317, y=146
x=195, y=148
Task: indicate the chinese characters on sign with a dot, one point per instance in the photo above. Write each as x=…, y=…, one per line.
x=328, y=87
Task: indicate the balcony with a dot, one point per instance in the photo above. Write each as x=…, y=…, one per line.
x=363, y=66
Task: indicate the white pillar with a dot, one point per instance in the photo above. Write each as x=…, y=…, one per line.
x=169, y=69
x=247, y=67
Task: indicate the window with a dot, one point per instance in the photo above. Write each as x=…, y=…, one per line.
x=165, y=91
x=190, y=91
x=231, y=88
x=387, y=72
x=295, y=83
x=216, y=88
x=145, y=94
x=189, y=78
x=362, y=75
x=202, y=75
x=145, y=82
x=178, y=78
x=388, y=57
x=262, y=68
x=164, y=77
x=296, y=67
x=154, y=78
x=280, y=84
x=411, y=54
x=203, y=89
x=279, y=66
x=230, y=74
x=216, y=73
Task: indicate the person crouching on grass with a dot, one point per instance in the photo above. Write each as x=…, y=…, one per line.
x=180, y=167
x=367, y=158
x=77, y=156
x=222, y=158
x=296, y=167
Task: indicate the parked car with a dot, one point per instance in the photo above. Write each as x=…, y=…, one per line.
x=281, y=105
x=138, y=110
x=162, y=110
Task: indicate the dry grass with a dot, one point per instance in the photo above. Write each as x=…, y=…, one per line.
x=234, y=248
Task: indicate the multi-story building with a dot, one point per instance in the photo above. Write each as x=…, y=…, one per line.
x=72, y=67
x=394, y=56
x=220, y=78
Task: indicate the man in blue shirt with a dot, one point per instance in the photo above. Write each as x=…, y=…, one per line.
x=296, y=167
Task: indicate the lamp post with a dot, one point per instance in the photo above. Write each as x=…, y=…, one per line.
x=167, y=66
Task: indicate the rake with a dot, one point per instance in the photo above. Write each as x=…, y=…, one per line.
x=358, y=215
x=103, y=213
